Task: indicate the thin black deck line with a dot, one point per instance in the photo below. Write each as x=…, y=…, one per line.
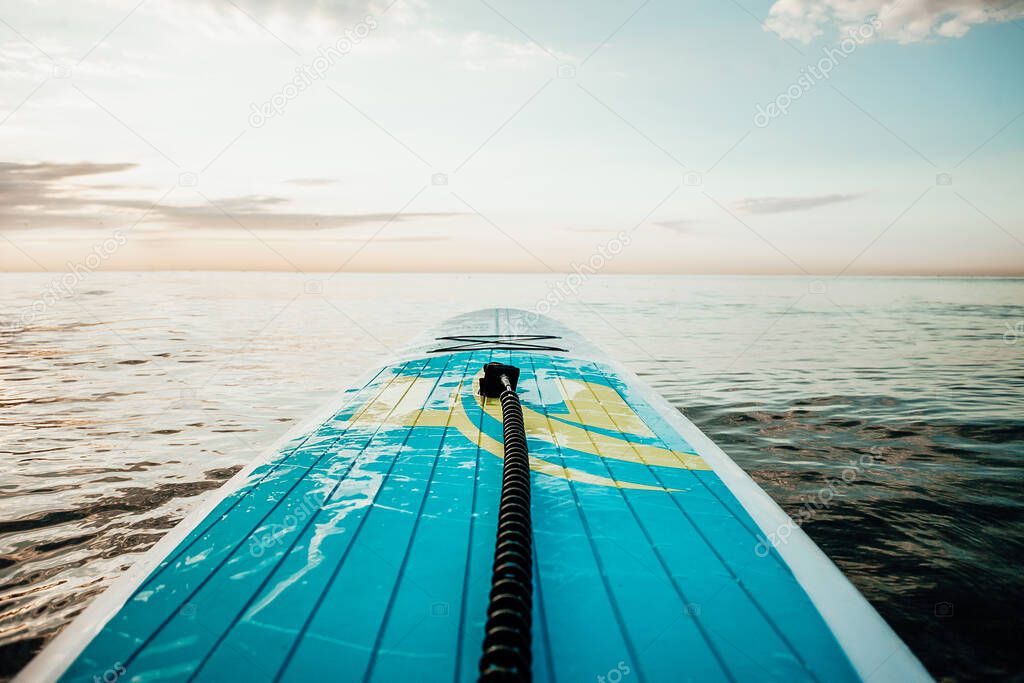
x=497, y=346
x=284, y=556
x=751, y=527
x=707, y=542
x=469, y=543
x=499, y=336
x=146, y=641
x=613, y=603
x=249, y=488
x=382, y=629
x=355, y=534
x=542, y=616
x=647, y=536
x=498, y=341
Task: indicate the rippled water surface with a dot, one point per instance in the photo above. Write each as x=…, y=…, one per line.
x=127, y=399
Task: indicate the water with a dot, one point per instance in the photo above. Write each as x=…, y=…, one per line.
x=127, y=396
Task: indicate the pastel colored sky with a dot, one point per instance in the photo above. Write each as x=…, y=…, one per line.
x=750, y=136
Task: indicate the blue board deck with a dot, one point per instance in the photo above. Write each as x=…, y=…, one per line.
x=360, y=548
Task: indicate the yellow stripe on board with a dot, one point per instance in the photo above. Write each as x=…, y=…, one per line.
x=597, y=405
x=586, y=403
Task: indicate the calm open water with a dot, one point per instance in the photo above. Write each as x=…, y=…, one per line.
x=130, y=394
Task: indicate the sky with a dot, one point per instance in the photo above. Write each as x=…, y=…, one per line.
x=820, y=137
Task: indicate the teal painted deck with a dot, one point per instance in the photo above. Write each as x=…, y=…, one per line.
x=361, y=549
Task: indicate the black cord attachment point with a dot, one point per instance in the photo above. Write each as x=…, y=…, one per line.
x=491, y=384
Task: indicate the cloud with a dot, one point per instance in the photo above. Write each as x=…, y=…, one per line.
x=586, y=230
x=45, y=195
x=21, y=61
x=248, y=213
x=305, y=9
x=905, y=21
x=302, y=25
x=35, y=188
x=486, y=52
x=788, y=204
x=311, y=182
x=677, y=225
x=13, y=173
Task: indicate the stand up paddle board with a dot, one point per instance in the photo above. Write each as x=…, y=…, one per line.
x=360, y=547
